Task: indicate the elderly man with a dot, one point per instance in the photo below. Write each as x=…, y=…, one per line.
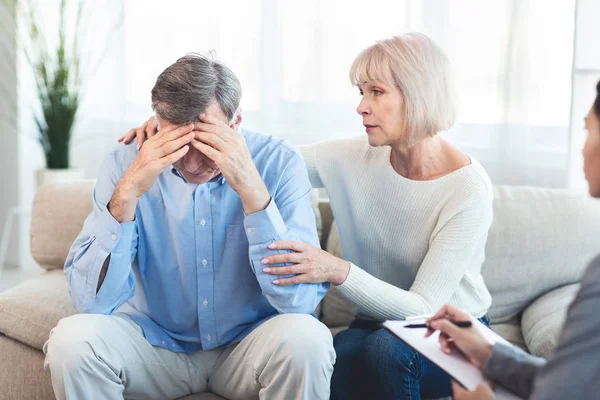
x=167, y=269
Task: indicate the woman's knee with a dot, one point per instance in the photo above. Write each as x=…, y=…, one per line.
x=348, y=375
x=350, y=343
x=383, y=350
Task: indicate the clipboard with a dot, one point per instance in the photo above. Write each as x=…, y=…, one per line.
x=460, y=369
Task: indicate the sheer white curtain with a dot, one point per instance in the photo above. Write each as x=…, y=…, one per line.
x=512, y=58
x=512, y=61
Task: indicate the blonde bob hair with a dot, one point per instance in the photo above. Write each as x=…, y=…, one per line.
x=421, y=70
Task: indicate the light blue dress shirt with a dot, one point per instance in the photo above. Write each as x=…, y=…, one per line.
x=188, y=268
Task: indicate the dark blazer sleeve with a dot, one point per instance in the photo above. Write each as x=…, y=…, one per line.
x=573, y=370
x=513, y=369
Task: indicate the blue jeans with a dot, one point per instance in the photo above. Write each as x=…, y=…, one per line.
x=372, y=363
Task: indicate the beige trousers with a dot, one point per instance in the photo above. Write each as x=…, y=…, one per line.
x=93, y=356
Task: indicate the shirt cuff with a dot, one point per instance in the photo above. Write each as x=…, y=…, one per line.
x=113, y=235
x=264, y=225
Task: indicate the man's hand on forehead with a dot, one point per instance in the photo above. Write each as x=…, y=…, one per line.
x=204, y=123
x=211, y=124
x=228, y=150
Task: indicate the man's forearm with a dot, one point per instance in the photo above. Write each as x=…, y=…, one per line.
x=255, y=200
x=122, y=204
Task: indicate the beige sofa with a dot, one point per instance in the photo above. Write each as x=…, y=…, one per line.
x=539, y=244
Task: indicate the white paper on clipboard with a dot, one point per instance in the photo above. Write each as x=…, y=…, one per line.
x=454, y=363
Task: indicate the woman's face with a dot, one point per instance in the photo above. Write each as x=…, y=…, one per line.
x=591, y=153
x=382, y=111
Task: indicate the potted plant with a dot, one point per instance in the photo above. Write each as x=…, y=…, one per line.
x=55, y=68
x=58, y=89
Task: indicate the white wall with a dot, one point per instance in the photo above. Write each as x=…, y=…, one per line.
x=9, y=193
x=586, y=73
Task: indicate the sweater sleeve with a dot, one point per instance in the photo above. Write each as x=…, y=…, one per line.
x=310, y=154
x=452, y=251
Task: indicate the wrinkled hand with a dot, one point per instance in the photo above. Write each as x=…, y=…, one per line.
x=483, y=392
x=146, y=131
x=159, y=152
x=312, y=265
x=468, y=341
x=227, y=148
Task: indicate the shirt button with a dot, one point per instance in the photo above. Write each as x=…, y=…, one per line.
x=204, y=262
x=205, y=303
x=163, y=342
x=209, y=338
x=113, y=236
x=249, y=230
x=203, y=222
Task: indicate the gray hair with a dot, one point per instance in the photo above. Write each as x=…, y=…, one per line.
x=188, y=87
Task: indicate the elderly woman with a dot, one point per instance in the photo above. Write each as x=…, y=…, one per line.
x=573, y=370
x=413, y=214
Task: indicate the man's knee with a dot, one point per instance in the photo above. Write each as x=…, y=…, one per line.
x=73, y=341
x=303, y=340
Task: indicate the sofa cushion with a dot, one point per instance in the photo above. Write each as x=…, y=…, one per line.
x=57, y=217
x=22, y=374
x=511, y=332
x=336, y=310
x=540, y=239
x=30, y=310
x=543, y=320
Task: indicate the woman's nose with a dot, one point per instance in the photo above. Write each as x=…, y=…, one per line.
x=363, y=107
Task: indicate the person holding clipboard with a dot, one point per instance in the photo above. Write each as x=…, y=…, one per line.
x=573, y=370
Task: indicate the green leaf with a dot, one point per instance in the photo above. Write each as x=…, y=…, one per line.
x=56, y=73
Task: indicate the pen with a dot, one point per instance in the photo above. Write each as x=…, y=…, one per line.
x=460, y=324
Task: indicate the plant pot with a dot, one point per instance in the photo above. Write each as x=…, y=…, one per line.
x=50, y=176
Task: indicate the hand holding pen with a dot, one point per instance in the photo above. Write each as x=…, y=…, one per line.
x=466, y=339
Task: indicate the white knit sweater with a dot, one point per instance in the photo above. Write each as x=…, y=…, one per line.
x=413, y=245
